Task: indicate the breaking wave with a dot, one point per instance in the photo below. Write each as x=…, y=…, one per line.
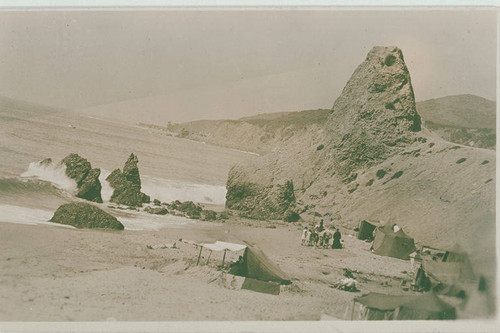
x=54, y=173
x=171, y=190
x=33, y=197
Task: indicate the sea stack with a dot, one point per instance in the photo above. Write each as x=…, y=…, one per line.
x=374, y=118
x=87, y=179
x=375, y=112
x=127, y=184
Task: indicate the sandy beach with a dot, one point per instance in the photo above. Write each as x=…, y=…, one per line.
x=60, y=274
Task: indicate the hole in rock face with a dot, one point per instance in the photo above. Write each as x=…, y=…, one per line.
x=390, y=60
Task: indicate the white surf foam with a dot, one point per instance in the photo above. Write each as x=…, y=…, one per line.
x=56, y=174
x=25, y=215
x=171, y=190
x=106, y=190
x=145, y=221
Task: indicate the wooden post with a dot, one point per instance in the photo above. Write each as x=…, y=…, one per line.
x=199, y=256
x=209, y=256
x=223, y=259
x=352, y=311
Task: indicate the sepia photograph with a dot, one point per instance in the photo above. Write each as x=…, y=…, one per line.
x=248, y=165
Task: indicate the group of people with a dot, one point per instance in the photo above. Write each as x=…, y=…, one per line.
x=320, y=237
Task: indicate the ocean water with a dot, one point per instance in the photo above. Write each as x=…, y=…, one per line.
x=171, y=168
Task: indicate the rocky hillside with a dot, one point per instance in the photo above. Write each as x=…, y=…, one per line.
x=463, y=119
x=259, y=134
x=372, y=160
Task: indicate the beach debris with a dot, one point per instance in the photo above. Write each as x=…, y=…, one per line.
x=346, y=284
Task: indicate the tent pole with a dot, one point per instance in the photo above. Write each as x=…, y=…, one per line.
x=224, y=258
x=209, y=256
x=199, y=256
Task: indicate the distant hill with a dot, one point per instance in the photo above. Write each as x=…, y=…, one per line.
x=259, y=134
x=468, y=111
x=13, y=109
x=465, y=119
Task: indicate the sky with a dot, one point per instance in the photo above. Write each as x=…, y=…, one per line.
x=182, y=65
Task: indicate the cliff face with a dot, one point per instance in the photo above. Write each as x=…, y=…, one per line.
x=372, y=160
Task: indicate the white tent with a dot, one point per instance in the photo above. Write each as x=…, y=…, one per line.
x=223, y=246
x=220, y=246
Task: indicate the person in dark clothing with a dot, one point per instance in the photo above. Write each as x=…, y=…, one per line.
x=321, y=226
x=336, y=240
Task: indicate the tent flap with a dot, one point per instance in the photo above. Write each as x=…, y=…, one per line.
x=366, y=230
x=256, y=265
x=375, y=306
x=272, y=288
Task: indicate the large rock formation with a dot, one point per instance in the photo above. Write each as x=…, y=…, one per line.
x=84, y=215
x=375, y=112
x=87, y=179
x=374, y=118
x=127, y=184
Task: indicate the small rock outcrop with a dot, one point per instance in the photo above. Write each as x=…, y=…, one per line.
x=87, y=179
x=127, y=184
x=46, y=162
x=156, y=210
x=274, y=202
x=84, y=215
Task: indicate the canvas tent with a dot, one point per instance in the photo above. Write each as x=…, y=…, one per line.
x=448, y=278
x=376, y=306
x=256, y=265
x=223, y=246
x=392, y=244
x=426, y=307
x=366, y=229
x=456, y=254
x=450, y=275
x=220, y=246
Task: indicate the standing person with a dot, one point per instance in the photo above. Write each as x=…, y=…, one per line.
x=304, y=235
x=336, y=240
x=308, y=237
x=321, y=227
